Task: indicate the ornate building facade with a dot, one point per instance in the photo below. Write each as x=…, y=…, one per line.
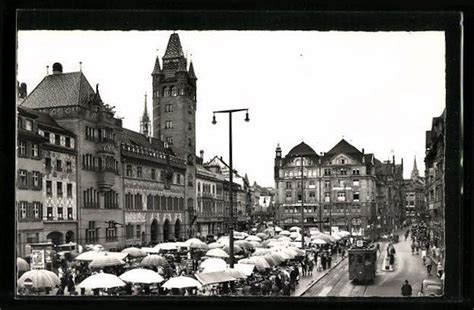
x=434, y=179
x=339, y=188
x=70, y=100
x=29, y=184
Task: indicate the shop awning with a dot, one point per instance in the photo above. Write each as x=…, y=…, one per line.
x=214, y=277
x=246, y=269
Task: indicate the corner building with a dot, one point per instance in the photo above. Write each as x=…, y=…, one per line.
x=71, y=101
x=339, y=188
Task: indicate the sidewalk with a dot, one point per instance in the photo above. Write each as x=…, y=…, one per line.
x=306, y=282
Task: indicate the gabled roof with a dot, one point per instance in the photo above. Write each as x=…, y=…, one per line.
x=63, y=89
x=344, y=147
x=174, y=48
x=301, y=149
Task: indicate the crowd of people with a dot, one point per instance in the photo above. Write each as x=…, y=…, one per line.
x=280, y=280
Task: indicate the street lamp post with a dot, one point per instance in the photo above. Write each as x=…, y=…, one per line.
x=302, y=204
x=231, y=173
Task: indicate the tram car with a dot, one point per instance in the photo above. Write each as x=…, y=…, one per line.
x=362, y=262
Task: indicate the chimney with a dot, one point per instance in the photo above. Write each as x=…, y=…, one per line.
x=201, y=153
x=57, y=68
x=22, y=93
x=363, y=151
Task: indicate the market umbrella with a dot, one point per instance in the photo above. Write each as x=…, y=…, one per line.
x=280, y=256
x=140, y=275
x=106, y=261
x=193, y=240
x=150, y=250
x=134, y=252
x=101, y=280
x=253, y=238
x=295, y=235
x=91, y=255
x=278, y=229
x=294, y=228
x=40, y=278
x=223, y=239
x=284, y=238
x=271, y=260
x=236, y=273
x=167, y=246
x=244, y=244
x=237, y=249
x=285, y=233
x=291, y=251
x=261, y=251
x=260, y=262
x=22, y=265
x=199, y=246
x=217, y=253
x=215, y=245
x=213, y=264
x=262, y=236
x=154, y=261
x=256, y=244
x=181, y=282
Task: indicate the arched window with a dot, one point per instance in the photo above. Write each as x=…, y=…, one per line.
x=174, y=92
x=170, y=203
x=181, y=91
x=165, y=91
x=175, y=204
x=163, y=203
x=156, y=203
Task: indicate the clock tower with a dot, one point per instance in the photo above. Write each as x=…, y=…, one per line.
x=174, y=100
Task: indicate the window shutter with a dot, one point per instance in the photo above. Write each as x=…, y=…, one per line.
x=40, y=180
x=29, y=211
x=29, y=180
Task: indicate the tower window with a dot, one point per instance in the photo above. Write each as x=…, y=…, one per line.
x=174, y=92
x=190, y=126
x=165, y=92
x=169, y=108
x=169, y=140
x=169, y=124
x=181, y=92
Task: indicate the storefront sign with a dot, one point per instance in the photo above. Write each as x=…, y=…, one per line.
x=37, y=259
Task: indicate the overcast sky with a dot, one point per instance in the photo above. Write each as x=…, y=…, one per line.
x=378, y=90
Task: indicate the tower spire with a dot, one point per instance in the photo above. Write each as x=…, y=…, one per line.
x=145, y=124
x=414, y=172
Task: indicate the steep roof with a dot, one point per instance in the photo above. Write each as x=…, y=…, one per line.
x=157, y=67
x=344, y=147
x=301, y=149
x=63, y=89
x=45, y=120
x=174, y=48
x=191, y=71
x=135, y=138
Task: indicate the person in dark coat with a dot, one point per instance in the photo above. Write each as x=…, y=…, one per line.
x=323, y=261
x=406, y=289
x=329, y=259
x=286, y=289
x=71, y=287
x=391, y=259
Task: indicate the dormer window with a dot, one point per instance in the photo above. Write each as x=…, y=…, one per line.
x=165, y=92
x=174, y=92
x=29, y=125
x=343, y=161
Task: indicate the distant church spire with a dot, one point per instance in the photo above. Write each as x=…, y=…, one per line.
x=145, y=124
x=414, y=172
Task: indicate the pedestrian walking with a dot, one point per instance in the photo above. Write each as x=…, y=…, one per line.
x=429, y=265
x=423, y=255
x=439, y=270
x=329, y=261
x=378, y=248
x=323, y=261
x=319, y=265
x=412, y=248
x=310, y=267
x=406, y=289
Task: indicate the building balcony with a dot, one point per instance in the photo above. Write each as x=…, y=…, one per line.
x=105, y=180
